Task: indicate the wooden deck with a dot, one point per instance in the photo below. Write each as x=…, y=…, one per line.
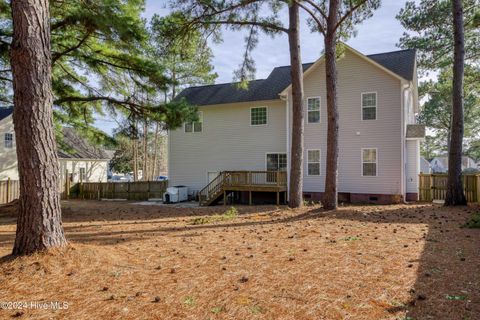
x=243, y=181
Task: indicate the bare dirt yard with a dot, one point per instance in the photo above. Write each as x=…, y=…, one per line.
x=130, y=261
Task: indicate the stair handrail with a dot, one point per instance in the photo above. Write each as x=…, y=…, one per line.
x=212, y=187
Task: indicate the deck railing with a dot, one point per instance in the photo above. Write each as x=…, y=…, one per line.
x=256, y=178
x=247, y=179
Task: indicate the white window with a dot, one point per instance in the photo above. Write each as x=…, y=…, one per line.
x=369, y=162
x=195, y=126
x=258, y=116
x=313, y=162
x=313, y=110
x=8, y=140
x=369, y=106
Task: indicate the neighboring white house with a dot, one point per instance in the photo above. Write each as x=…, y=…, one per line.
x=80, y=160
x=425, y=166
x=440, y=164
x=379, y=149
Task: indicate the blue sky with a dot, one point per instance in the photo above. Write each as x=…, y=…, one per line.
x=377, y=34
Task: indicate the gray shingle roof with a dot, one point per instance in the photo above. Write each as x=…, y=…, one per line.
x=263, y=89
x=400, y=62
x=75, y=147
x=5, y=112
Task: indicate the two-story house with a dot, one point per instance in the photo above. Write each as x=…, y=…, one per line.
x=250, y=130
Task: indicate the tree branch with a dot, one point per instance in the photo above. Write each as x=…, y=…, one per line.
x=264, y=25
x=135, y=107
x=317, y=7
x=314, y=17
x=58, y=55
x=349, y=13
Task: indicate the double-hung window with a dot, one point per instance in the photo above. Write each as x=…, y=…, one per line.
x=83, y=174
x=313, y=163
x=8, y=140
x=369, y=162
x=258, y=116
x=195, y=126
x=313, y=110
x=369, y=106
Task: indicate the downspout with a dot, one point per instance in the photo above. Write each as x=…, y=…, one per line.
x=403, y=144
x=284, y=97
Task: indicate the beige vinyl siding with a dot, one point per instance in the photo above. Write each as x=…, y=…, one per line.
x=95, y=170
x=356, y=75
x=228, y=142
x=413, y=165
x=8, y=156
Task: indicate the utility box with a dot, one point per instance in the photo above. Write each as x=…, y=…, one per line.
x=175, y=194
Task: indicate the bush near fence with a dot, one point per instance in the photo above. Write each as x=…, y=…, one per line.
x=434, y=187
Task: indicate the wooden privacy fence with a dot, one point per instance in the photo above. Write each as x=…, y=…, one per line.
x=434, y=187
x=9, y=190
x=141, y=190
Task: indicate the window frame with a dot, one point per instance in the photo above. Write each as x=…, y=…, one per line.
x=200, y=118
x=277, y=153
x=82, y=176
x=362, y=107
x=362, y=162
x=319, y=163
x=319, y=109
x=10, y=141
x=266, y=116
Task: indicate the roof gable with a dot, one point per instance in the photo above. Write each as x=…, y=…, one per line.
x=5, y=112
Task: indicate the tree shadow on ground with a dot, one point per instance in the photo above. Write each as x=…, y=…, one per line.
x=447, y=280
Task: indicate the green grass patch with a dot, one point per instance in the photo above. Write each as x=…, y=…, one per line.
x=189, y=301
x=217, y=310
x=474, y=222
x=449, y=297
x=230, y=214
x=256, y=309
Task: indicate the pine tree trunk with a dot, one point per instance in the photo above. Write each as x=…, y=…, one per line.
x=330, y=196
x=455, y=195
x=155, y=151
x=145, y=151
x=39, y=225
x=135, y=150
x=296, y=163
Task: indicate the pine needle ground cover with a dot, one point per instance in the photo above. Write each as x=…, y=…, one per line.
x=127, y=261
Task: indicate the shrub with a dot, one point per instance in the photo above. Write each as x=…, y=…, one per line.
x=474, y=222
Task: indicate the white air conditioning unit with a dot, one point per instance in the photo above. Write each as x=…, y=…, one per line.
x=175, y=194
